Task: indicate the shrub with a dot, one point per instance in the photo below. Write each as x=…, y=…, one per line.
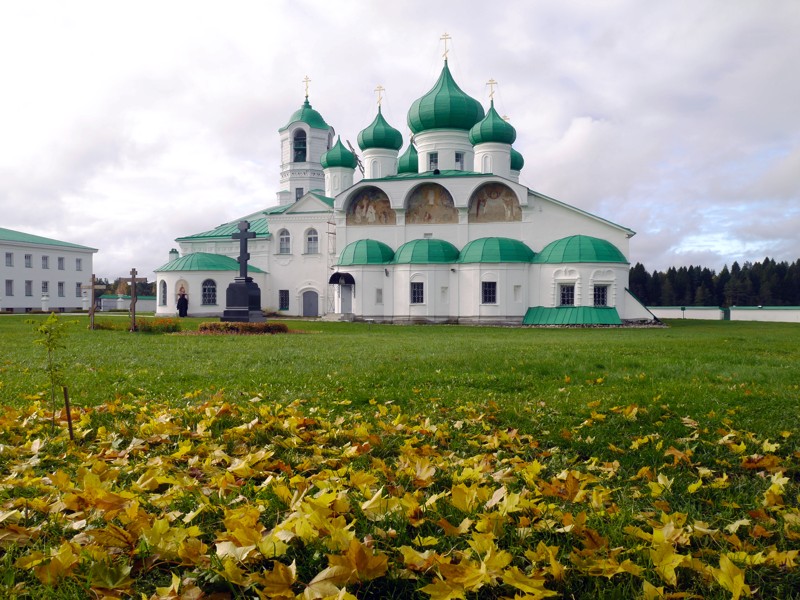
x=158, y=325
x=242, y=328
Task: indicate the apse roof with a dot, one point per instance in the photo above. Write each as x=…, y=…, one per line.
x=445, y=106
x=495, y=250
x=580, y=249
x=426, y=251
x=365, y=252
x=9, y=235
x=307, y=115
x=572, y=315
x=204, y=261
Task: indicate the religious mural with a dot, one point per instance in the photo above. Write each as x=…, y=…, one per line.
x=430, y=203
x=370, y=206
x=494, y=202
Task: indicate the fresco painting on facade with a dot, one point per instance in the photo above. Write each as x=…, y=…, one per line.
x=431, y=203
x=494, y=202
x=370, y=206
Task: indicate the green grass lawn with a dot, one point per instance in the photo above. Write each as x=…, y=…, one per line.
x=619, y=449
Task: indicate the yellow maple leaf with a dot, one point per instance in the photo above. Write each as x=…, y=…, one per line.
x=363, y=563
x=278, y=582
x=666, y=560
x=444, y=590
x=530, y=584
x=731, y=577
x=326, y=583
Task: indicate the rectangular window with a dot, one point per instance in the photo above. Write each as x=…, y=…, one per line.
x=378, y=295
x=9, y=287
x=459, y=161
x=29, y=261
x=417, y=292
x=45, y=287
x=601, y=295
x=567, y=294
x=60, y=289
x=78, y=290
x=433, y=161
x=29, y=287
x=312, y=242
x=79, y=264
x=60, y=263
x=9, y=259
x=489, y=292
x=298, y=193
x=283, y=299
x=45, y=262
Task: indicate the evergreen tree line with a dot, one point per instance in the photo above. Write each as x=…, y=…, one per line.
x=766, y=283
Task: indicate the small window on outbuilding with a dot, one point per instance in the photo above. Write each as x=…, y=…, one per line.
x=162, y=293
x=283, y=299
x=489, y=292
x=417, y=292
x=566, y=294
x=601, y=295
x=209, y=292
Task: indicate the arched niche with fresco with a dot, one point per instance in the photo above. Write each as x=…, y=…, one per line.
x=493, y=202
x=430, y=203
x=370, y=206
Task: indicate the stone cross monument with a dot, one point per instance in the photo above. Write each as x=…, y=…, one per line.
x=243, y=298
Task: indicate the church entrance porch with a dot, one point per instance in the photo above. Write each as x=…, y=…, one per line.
x=310, y=304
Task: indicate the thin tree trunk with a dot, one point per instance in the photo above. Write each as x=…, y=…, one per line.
x=69, y=413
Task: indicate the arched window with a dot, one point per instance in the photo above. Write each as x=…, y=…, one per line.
x=300, y=146
x=284, y=242
x=312, y=242
x=162, y=293
x=209, y=292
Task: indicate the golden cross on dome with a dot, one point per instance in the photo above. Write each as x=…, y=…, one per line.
x=445, y=37
x=380, y=89
x=306, y=80
x=491, y=83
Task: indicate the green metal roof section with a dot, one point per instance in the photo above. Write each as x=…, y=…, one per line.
x=365, y=252
x=323, y=198
x=572, y=315
x=445, y=106
x=517, y=160
x=204, y=261
x=9, y=235
x=496, y=250
x=426, y=251
x=451, y=173
x=379, y=134
x=580, y=249
x=258, y=226
x=492, y=128
x=306, y=114
x=408, y=161
x=338, y=156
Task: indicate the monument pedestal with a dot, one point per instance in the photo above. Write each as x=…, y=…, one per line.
x=243, y=302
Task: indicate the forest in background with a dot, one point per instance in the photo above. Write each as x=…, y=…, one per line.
x=767, y=283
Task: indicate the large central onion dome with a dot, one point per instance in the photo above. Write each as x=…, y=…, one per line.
x=379, y=134
x=445, y=106
x=493, y=128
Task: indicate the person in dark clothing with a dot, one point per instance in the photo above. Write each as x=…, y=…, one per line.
x=183, y=305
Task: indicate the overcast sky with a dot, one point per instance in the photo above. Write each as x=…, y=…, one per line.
x=124, y=125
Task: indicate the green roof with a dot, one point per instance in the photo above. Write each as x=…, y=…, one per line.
x=365, y=252
x=379, y=134
x=322, y=197
x=492, y=128
x=572, y=315
x=9, y=235
x=580, y=249
x=495, y=250
x=430, y=175
x=408, y=161
x=445, y=106
x=426, y=251
x=517, y=160
x=258, y=226
x=204, y=261
x=338, y=156
x=307, y=115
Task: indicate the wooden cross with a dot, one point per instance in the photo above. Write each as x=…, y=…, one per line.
x=306, y=80
x=380, y=89
x=93, y=286
x=491, y=83
x=244, y=255
x=445, y=37
x=133, y=281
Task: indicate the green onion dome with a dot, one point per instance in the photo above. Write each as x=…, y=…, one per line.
x=338, y=156
x=365, y=252
x=580, y=249
x=408, y=161
x=517, y=162
x=493, y=128
x=445, y=106
x=426, y=251
x=379, y=134
x=307, y=115
x=495, y=250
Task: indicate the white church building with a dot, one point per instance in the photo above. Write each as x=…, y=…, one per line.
x=441, y=233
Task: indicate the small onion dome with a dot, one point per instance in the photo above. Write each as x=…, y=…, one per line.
x=307, y=115
x=338, y=156
x=426, y=251
x=379, y=134
x=445, y=106
x=365, y=252
x=580, y=249
x=496, y=250
x=493, y=128
x=517, y=162
x=408, y=161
